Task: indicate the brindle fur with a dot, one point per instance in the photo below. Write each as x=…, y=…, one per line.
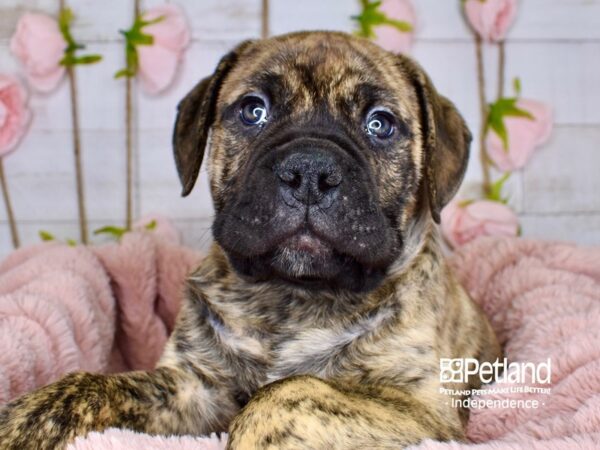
x=282, y=365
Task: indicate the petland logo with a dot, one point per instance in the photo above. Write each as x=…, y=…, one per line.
x=459, y=370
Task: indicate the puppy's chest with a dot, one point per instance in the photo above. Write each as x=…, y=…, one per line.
x=370, y=349
x=322, y=352
x=391, y=344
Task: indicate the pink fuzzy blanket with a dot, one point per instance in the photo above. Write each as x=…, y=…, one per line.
x=111, y=308
x=106, y=308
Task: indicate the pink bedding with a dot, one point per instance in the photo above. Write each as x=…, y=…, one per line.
x=111, y=308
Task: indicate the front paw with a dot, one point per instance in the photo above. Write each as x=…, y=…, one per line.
x=54, y=415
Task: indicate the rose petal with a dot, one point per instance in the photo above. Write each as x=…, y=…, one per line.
x=172, y=30
x=524, y=136
x=389, y=37
x=158, y=62
x=3, y=114
x=39, y=46
x=491, y=19
x=14, y=112
x=157, y=67
x=461, y=224
x=47, y=82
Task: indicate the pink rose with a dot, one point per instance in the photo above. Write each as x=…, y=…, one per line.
x=390, y=37
x=524, y=136
x=158, y=62
x=40, y=46
x=14, y=114
x=491, y=19
x=461, y=224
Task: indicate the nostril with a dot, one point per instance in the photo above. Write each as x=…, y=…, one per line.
x=296, y=182
x=291, y=178
x=329, y=180
x=323, y=184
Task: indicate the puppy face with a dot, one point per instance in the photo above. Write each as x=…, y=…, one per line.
x=326, y=150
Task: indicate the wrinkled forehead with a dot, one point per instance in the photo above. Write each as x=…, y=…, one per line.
x=320, y=68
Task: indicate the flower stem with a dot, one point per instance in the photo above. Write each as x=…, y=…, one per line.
x=501, y=68
x=129, y=151
x=485, y=162
x=83, y=228
x=129, y=140
x=265, y=19
x=9, y=211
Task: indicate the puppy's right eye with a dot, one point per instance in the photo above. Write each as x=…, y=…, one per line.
x=380, y=124
x=253, y=111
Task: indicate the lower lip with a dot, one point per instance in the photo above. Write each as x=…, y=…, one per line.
x=307, y=243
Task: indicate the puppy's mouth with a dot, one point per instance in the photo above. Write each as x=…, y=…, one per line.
x=308, y=260
x=304, y=257
x=306, y=242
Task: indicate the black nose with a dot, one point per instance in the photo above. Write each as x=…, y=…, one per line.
x=310, y=177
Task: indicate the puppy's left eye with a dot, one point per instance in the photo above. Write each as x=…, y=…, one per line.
x=253, y=111
x=380, y=124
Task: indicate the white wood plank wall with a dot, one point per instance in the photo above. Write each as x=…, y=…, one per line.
x=554, y=48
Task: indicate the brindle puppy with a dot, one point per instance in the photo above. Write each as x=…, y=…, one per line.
x=318, y=319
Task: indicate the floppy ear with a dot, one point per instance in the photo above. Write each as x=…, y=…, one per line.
x=195, y=116
x=446, y=139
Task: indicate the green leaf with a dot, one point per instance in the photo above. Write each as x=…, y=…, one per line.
x=371, y=17
x=65, y=19
x=143, y=22
x=123, y=73
x=71, y=242
x=496, y=123
x=111, y=230
x=504, y=107
x=134, y=37
x=67, y=60
x=495, y=192
x=87, y=59
x=139, y=38
x=46, y=236
x=517, y=86
x=401, y=25
x=151, y=225
x=131, y=60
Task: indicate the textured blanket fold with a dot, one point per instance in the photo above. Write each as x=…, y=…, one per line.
x=112, y=307
x=543, y=300
x=104, y=308
x=57, y=315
